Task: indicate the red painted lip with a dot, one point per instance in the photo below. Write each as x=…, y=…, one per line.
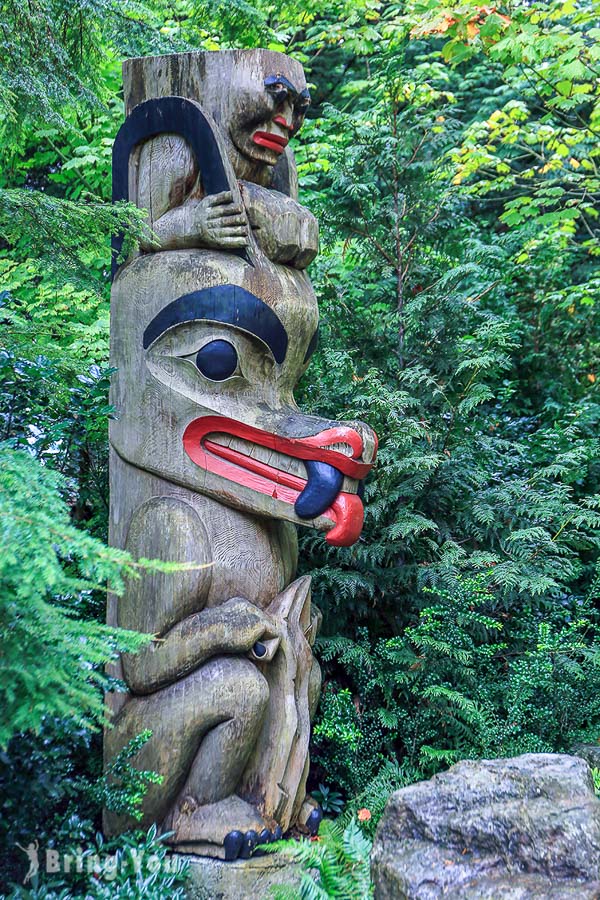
x=270, y=141
x=346, y=512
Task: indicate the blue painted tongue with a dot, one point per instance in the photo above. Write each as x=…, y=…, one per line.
x=323, y=485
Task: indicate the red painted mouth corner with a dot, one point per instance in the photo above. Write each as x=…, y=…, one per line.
x=346, y=511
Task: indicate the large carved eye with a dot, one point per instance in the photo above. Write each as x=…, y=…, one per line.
x=217, y=360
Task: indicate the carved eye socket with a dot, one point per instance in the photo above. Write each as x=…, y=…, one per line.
x=278, y=92
x=278, y=88
x=302, y=102
x=217, y=360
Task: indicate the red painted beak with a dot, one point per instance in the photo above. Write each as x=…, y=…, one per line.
x=346, y=511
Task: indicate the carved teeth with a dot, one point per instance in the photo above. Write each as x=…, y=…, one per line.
x=289, y=464
x=346, y=449
x=280, y=461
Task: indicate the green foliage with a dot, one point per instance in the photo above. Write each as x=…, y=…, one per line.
x=73, y=38
x=55, y=799
x=52, y=78
x=122, y=786
x=452, y=158
x=336, y=864
x=368, y=806
x=135, y=866
x=329, y=801
x=60, y=416
x=465, y=252
x=51, y=662
x=465, y=681
x=347, y=741
x=44, y=789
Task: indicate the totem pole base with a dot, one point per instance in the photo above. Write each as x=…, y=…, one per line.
x=213, y=879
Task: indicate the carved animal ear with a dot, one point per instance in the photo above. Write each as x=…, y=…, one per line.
x=171, y=115
x=293, y=604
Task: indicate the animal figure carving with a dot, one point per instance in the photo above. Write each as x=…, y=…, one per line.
x=212, y=324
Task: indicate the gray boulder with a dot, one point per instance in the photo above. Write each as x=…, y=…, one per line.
x=589, y=752
x=503, y=829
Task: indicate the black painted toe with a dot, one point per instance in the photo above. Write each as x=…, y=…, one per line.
x=233, y=844
x=314, y=820
x=249, y=844
x=278, y=833
x=265, y=837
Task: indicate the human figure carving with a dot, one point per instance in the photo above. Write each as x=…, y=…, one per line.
x=213, y=322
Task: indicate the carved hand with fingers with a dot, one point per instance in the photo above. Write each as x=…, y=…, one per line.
x=221, y=222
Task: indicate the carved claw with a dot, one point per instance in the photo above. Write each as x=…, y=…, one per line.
x=233, y=844
x=264, y=838
x=314, y=821
x=241, y=846
x=249, y=844
x=265, y=649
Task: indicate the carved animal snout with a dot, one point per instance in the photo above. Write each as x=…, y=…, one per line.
x=316, y=473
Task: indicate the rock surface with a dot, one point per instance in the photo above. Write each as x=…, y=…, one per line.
x=504, y=829
x=213, y=879
x=589, y=752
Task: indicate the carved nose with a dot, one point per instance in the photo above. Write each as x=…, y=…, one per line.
x=282, y=122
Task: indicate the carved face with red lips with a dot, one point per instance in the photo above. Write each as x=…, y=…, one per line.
x=278, y=102
x=228, y=353
x=290, y=105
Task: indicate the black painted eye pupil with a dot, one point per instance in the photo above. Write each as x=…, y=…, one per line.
x=217, y=360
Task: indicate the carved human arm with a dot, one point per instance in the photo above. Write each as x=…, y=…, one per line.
x=214, y=221
x=286, y=231
x=169, y=188
x=232, y=628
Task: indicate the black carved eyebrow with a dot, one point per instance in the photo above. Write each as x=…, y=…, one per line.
x=227, y=303
x=272, y=80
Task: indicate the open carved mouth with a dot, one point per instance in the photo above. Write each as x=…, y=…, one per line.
x=270, y=141
x=307, y=472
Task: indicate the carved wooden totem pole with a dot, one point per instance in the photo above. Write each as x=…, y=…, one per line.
x=212, y=325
